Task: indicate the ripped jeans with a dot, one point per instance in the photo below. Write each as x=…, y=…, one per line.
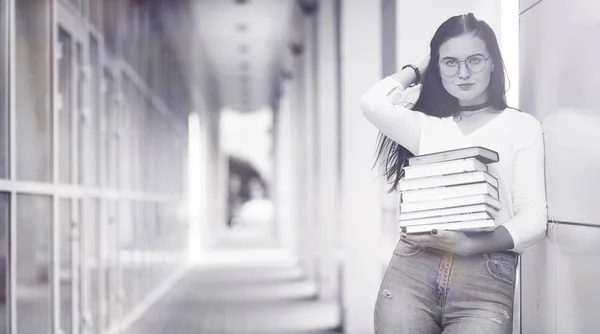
x=427, y=291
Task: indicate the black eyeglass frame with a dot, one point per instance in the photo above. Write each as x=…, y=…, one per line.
x=466, y=65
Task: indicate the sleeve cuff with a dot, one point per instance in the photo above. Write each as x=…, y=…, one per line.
x=521, y=239
x=394, y=91
x=517, y=247
x=389, y=85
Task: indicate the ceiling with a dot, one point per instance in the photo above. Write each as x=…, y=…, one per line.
x=243, y=41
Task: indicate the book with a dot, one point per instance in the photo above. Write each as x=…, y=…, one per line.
x=404, y=216
x=450, y=202
x=484, y=225
x=482, y=154
x=444, y=168
x=447, y=219
x=447, y=180
x=438, y=193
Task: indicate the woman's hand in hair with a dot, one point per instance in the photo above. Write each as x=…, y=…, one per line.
x=423, y=65
x=450, y=241
x=408, y=76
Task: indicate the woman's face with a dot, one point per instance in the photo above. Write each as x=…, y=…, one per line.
x=465, y=68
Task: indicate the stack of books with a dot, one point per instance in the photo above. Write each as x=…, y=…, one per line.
x=450, y=190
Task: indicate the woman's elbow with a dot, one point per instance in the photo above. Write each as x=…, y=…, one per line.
x=367, y=105
x=541, y=229
x=541, y=224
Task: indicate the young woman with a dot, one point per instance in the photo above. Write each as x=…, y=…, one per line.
x=447, y=281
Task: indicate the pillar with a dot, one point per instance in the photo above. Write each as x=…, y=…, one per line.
x=360, y=207
x=327, y=214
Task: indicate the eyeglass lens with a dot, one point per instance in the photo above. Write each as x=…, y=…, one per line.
x=474, y=63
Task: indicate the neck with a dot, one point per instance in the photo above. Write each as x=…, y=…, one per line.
x=481, y=99
x=475, y=107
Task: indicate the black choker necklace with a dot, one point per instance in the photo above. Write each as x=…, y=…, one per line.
x=475, y=107
x=458, y=117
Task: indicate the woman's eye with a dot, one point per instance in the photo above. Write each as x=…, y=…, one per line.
x=474, y=60
x=450, y=62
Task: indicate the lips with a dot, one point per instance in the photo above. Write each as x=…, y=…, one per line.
x=466, y=86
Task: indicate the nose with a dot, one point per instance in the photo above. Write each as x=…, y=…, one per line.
x=463, y=72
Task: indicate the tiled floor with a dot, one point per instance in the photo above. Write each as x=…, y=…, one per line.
x=241, y=301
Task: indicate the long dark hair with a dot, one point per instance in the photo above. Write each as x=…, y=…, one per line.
x=434, y=100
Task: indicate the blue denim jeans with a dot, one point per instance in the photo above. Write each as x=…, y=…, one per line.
x=427, y=291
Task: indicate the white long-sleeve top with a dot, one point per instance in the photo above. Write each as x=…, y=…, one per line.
x=516, y=136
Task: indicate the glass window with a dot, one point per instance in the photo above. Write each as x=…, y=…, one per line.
x=155, y=136
x=110, y=24
x=76, y=3
x=4, y=107
x=109, y=132
x=4, y=244
x=145, y=145
x=95, y=12
x=137, y=138
x=126, y=235
x=125, y=133
x=112, y=276
x=33, y=114
x=64, y=103
x=65, y=265
x=127, y=34
x=90, y=230
x=33, y=263
x=88, y=130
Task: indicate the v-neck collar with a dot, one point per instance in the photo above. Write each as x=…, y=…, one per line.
x=487, y=124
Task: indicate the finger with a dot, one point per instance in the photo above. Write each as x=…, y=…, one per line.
x=445, y=241
x=429, y=241
x=404, y=238
x=422, y=238
x=446, y=234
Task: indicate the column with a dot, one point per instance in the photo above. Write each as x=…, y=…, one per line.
x=360, y=185
x=327, y=214
x=309, y=224
x=287, y=232
x=299, y=147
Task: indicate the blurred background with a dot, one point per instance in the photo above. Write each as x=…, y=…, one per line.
x=201, y=166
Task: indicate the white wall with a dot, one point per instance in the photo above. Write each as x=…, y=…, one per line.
x=559, y=72
x=418, y=20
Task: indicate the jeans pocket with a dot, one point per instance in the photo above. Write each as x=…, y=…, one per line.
x=502, y=267
x=404, y=249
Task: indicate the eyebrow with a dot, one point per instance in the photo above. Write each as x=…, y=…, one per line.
x=475, y=54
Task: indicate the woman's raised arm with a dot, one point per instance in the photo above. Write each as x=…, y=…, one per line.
x=383, y=106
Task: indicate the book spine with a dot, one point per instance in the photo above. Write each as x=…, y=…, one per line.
x=440, y=193
x=447, y=219
x=476, y=225
x=455, y=168
x=445, y=180
x=448, y=211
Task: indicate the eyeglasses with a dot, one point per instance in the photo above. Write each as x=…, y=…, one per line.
x=475, y=64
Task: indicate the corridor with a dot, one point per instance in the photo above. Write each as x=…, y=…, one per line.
x=257, y=299
x=204, y=166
